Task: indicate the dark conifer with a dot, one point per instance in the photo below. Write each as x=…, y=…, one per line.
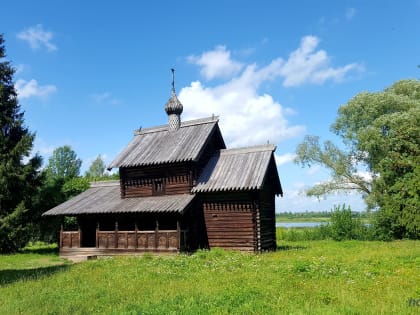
x=19, y=172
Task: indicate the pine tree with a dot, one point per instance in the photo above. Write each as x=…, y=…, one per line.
x=19, y=173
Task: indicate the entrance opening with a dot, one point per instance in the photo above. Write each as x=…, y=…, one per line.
x=88, y=229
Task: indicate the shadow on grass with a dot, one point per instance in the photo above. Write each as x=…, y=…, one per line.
x=41, y=250
x=8, y=276
x=290, y=247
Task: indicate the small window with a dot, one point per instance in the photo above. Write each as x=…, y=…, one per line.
x=158, y=187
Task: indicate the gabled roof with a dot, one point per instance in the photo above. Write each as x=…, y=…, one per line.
x=105, y=199
x=157, y=145
x=239, y=169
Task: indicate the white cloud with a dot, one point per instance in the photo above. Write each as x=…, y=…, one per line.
x=216, y=63
x=248, y=116
x=308, y=65
x=284, y=158
x=27, y=89
x=37, y=38
x=350, y=13
x=105, y=98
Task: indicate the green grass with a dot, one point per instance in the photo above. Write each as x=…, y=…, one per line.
x=318, y=277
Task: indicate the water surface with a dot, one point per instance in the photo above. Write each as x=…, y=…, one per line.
x=299, y=224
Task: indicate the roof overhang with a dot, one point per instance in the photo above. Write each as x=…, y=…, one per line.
x=107, y=200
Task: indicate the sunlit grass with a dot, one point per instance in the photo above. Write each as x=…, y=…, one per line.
x=318, y=277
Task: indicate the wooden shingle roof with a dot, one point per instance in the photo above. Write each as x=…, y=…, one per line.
x=153, y=146
x=239, y=169
x=105, y=199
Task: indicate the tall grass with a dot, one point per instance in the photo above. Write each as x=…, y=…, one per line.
x=318, y=277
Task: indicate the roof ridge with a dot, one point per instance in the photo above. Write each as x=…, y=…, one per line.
x=188, y=123
x=249, y=149
x=104, y=183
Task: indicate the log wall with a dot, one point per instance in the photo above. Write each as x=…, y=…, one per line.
x=143, y=182
x=230, y=224
x=267, y=220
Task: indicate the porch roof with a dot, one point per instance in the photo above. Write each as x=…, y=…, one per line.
x=105, y=199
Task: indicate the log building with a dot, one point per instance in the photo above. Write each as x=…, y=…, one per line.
x=180, y=189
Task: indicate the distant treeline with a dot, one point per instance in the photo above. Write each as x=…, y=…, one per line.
x=318, y=214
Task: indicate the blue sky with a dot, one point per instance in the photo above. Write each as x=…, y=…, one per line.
x=90, y=72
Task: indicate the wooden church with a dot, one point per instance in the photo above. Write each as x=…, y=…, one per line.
x=180, y=189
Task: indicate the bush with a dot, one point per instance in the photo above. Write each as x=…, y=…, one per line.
x=303, y=234
x=345, y=227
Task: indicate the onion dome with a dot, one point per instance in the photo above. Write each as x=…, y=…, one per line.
x=173, y=105
x=174, y=109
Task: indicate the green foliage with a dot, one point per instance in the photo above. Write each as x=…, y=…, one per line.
x=344, y=176
x=381, y=131
x=61, y=183
x=40, y=247
x=70, y=224
x=75, y=186
x=19, y=173
x=96, y=169
x=344, y=226
x=317, y=277
x=64, y=163
x=386, y=127
x=14, y=232
x=321, y=232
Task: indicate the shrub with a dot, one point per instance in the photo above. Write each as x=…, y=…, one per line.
x=345, y=227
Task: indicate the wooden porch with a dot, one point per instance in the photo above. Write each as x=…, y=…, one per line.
x=123, y=242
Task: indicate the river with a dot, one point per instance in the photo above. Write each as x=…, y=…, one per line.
x=299, y=224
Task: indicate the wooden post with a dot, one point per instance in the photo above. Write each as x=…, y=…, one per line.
x=61, y=235
x=97, y=234
x=116, y=235
x=257, y=226
x=136, y=229
x=178, y=233
x=80, y=235
x=156, y=234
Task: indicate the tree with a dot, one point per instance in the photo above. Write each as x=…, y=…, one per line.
x=19, y=173
x=96, y=169
x=344, y=171
x=64, y=163
x=75, y=186
x=380, y=131
x=61, y=183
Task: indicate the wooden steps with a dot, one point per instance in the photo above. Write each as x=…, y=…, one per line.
x=86, y=253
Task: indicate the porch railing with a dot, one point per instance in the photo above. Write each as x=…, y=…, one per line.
x=69, y=239
x=156, y=240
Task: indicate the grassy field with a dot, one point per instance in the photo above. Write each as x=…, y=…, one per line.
x=318, y=277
